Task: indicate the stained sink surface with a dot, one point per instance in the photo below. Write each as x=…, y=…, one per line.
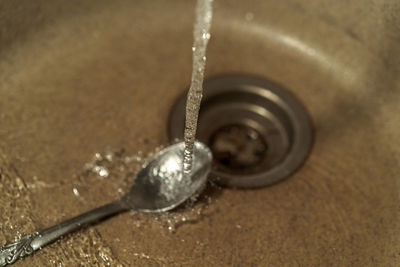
x=86, y=88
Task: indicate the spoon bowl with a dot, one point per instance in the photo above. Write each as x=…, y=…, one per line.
x=161, y=186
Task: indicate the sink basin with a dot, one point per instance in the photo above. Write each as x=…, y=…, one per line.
x=80, y=78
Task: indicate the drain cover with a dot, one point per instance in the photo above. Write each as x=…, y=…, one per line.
x=259, y=132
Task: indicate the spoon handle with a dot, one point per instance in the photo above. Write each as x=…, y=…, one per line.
x=32, y=242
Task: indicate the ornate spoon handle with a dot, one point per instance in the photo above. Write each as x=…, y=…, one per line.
x=32, y=242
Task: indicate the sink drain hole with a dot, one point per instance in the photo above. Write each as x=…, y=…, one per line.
x=237, y=148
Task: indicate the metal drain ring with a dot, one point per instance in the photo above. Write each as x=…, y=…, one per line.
x=262, y=106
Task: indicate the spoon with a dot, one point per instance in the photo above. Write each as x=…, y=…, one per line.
x=159, y=186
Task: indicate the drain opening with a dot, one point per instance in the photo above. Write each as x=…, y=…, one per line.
x=238, y=149
x=259, y=132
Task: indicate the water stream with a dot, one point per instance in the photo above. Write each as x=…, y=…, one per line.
x=201, y=35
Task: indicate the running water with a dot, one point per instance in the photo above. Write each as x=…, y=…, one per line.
x=201, y=36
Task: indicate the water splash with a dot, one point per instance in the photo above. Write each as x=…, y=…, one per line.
x=170, y=222
x=76, y=192
x=201, y=36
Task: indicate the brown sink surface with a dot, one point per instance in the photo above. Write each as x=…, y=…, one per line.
x=80, y=78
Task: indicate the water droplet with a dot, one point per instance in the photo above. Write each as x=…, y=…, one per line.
x=109, y=157
x=100, y=170
x=75, y=191
x=98, y=156
x=206, y=36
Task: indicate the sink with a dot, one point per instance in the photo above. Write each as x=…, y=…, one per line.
x=80, y=78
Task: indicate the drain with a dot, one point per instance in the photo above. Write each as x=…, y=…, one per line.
x=259, y=132
x=238, y=149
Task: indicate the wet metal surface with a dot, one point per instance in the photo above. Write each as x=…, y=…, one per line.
x=78, y=78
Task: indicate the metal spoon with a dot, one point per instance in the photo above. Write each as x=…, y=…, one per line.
x=159, y=186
